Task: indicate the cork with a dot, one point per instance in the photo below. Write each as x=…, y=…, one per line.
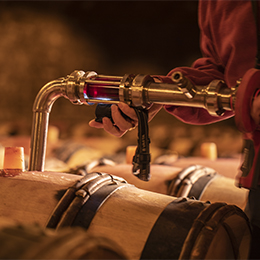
x=14, y=158
x=130, y=152
x=53, y=134
x=209, y=151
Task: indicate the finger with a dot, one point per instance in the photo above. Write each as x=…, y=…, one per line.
x=122, y=123
x=95, y=124
x=112, y=129
x=152, y=111
x=127, y=110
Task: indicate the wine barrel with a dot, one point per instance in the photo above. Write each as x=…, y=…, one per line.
x=31, y=196
x=146, y=225
x=197, y=181
x=76, y=152
x=161, y=175
x=34, y=242
x=149, y=225
x=228, y=167
x=204, y=183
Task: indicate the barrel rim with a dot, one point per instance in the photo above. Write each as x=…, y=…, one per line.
x=210, y=219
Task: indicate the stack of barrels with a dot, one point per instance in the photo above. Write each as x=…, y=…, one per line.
x=107, y=213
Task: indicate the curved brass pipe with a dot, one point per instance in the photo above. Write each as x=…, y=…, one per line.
x=41, y=110
x=70, y=87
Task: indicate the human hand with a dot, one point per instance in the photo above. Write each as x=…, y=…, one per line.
x=121, y=125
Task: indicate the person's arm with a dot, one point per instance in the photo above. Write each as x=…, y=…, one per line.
x=193, y=115
x=203, y=70
x=226, y=56
x=227, y=53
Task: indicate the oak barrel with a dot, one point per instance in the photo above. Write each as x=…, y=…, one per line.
x=202, y=183
x=148, y=225
x=145, y=224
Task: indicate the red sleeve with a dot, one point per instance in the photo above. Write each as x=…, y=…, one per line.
x=227, y=53
x=192, y=115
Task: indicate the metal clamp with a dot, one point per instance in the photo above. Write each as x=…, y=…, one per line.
x=76, y=196
x=184, y=184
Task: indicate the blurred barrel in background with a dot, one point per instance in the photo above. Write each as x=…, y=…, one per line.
x=18, y=241
x=196, y=181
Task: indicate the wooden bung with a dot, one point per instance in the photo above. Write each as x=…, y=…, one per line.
x=209, y=150
x=14, y=160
